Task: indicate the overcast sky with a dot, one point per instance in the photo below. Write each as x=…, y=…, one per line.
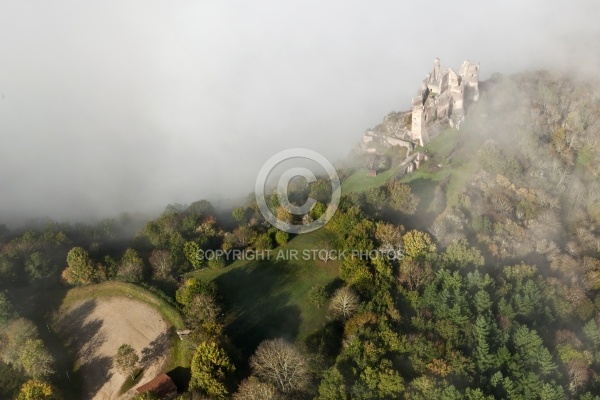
x=112, y=106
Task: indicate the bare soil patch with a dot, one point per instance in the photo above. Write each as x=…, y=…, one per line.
x=94, y=329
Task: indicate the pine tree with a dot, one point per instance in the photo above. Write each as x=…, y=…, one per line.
x=481, y=332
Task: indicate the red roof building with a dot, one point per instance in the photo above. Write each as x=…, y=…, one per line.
x=162, y=386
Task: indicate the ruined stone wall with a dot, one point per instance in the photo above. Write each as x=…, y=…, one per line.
x=417, y=120
x=440, y=103
x=443, y=97
x=470, y=75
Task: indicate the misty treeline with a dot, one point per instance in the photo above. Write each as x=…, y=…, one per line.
x=24, y=358
x=496, y=295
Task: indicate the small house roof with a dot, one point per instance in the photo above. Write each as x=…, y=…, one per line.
x=162, y=386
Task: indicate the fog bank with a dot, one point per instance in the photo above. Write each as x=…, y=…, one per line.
x=127, y=106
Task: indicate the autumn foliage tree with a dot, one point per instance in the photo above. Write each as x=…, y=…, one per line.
x=202, y=309
x=415, y=274
x=131, y=267
x=401, y=197
x=37, y=390
x=417, y=244
x=210, y=369
x=21, y=348
x=36, y=360
x=80, y=268
x=191, y=287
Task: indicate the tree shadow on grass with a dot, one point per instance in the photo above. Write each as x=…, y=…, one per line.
x=326, y=341
x=257, y=296
x=274, y=321
x=332, y=286
x=424, y=216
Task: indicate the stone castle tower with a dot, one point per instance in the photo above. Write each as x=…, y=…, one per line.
x=442, y=97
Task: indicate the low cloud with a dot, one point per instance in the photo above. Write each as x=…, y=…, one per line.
x=128, y=106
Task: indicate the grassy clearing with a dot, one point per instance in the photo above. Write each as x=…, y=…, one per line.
x=361, y=180
x=460, y=177
x=423, y=174
x=444, y=143
x=179, y=356
x=442, y=147
x=450, y=150
x=269, y=298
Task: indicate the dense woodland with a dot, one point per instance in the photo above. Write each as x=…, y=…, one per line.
x=496, y=294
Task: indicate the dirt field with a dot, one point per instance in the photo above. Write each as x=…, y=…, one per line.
x=95, y=329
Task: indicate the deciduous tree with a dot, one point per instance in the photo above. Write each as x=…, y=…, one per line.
x=344, y=303
x=401, y=197
x=415, y=274
x=161, y=263
x=37, y=390
x=9, y=270
x=321, y=190
x=243, y=236
x=80, y=269
x=388, y=236
x=376, y=199
x=254, y=389
x=35, y=359
x=210, y=366
x=131, y=267
x=16, y=334
x=417, y=244
x=239, y=215
x=459, y=254
x=202, y=309
x=333, y=385
x=282, y=237
x=126, y=360
x=192, y=286
x=193, y=255
x=7, y=311
x=280, y=363
x=317, y=295
x=325, y=249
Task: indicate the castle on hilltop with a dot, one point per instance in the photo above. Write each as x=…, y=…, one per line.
x=442, y=96
x=440, y=103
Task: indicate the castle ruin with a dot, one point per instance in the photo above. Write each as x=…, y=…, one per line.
x=442, y=97
x=441, y=102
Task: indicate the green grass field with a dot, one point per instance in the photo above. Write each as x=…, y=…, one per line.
x=454, y=153
x=361, y=180
x=269, y=298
